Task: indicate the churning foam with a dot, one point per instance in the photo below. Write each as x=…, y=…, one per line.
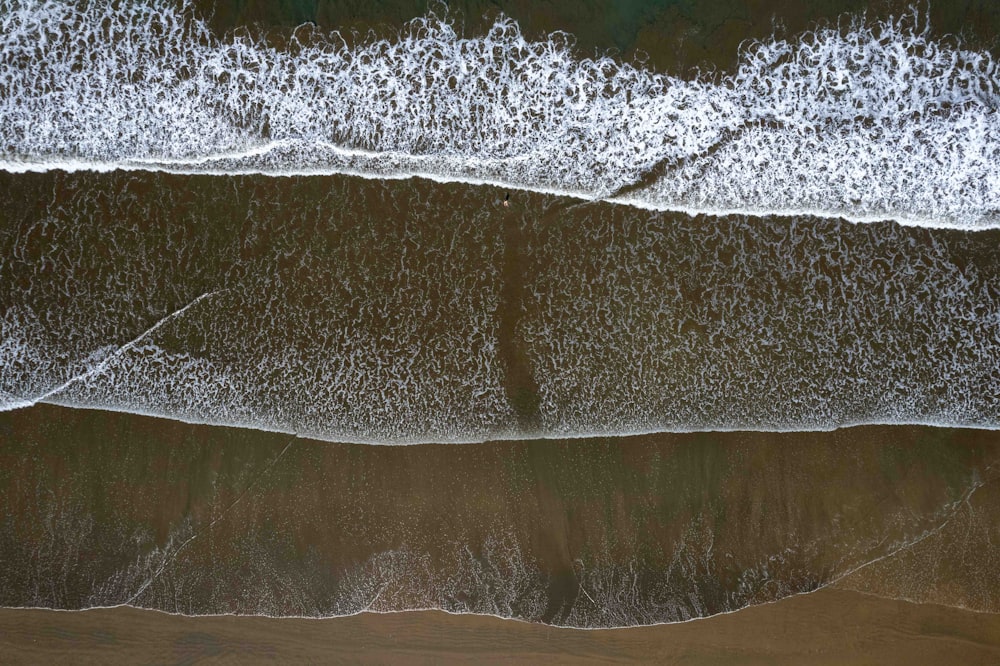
x=365, y=311
x=863, y=121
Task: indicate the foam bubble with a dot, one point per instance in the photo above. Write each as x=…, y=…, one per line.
x=867, y=120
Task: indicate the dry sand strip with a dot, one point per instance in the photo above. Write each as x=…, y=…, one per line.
x=826, y=627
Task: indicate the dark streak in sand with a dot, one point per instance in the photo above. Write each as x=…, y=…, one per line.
x=519, y=380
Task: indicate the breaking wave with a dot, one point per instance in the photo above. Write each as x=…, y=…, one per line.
x=380, y=311
x=864, y=120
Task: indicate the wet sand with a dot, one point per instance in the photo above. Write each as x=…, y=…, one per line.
x=826, y=627
x=110, y=508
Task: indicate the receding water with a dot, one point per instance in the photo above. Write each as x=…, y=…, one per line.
x=356, y=310
x=108, y=509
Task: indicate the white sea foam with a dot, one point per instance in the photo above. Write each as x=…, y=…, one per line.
x=868, y=120
x=374, y=312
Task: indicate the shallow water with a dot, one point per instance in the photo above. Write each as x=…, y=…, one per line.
x=107, y=509
x=353, y=310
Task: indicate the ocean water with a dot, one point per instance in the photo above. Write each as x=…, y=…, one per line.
x=112, y=509
x=396, y=312
x=409, y=225
x=867, y=120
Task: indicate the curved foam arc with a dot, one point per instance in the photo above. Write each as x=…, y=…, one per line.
x=866, y=121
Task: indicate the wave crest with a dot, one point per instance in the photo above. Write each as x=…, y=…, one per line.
x=865, y=120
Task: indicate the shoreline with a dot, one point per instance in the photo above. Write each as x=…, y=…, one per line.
x=499, y=438
x=600, y=532
x=829, y=626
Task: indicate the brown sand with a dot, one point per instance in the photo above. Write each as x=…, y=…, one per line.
x=826, y=627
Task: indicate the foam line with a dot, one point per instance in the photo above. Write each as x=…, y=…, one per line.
x=101, y=366
x=202, y=167
x=511, y=435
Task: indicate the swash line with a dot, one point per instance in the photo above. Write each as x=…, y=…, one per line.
x=103, y=364
x=168, y=560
